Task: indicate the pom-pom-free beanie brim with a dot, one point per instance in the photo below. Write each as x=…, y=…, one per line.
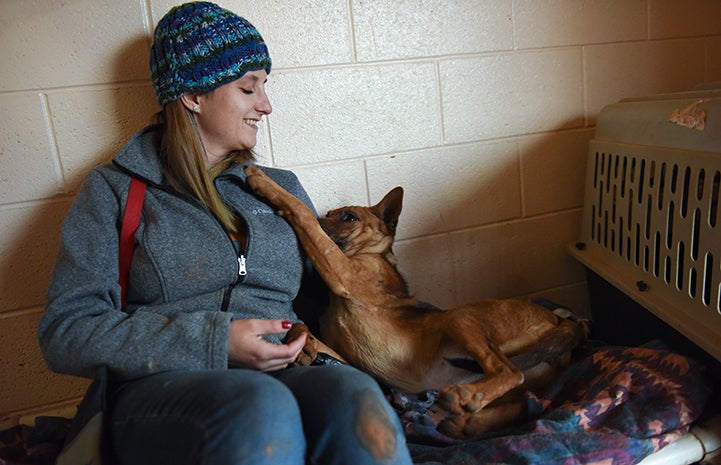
x=200, y=46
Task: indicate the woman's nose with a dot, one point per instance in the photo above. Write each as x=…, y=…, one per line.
x=263, y=104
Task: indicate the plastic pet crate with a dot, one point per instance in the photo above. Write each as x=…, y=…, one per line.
x=651, y=220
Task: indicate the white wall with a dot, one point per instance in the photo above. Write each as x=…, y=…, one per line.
x=480, y=109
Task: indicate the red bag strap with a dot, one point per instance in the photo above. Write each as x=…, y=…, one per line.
x=131, y=220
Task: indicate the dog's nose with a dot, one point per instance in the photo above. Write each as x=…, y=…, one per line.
x=341, y=243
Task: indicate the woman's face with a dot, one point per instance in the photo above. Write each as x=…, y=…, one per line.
x=228, y=116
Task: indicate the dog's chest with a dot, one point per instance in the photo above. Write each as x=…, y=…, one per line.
x=366, y=340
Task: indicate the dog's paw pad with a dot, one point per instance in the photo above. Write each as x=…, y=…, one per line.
x=449, y=400
x=303, y=360
x=449, y=394
x=474, y=403
x=453, y=427
x=457, y=399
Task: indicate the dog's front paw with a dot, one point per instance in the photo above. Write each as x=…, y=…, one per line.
x=463, y=424
x=266, y=187
x=454, y=426
x=258, y=180
x=468, y=425
x=459, y=399
x=310, y=350
x=451, y=423
x=455, y=408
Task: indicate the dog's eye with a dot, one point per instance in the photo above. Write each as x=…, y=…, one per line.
x=348, y=217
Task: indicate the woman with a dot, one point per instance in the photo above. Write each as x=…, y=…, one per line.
x=197, y=360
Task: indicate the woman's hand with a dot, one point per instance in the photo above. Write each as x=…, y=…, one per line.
x=248, y=349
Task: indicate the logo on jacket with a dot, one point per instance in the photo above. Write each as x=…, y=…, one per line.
x=262, y=211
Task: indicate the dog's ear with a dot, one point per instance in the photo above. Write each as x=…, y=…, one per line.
x=389, y=208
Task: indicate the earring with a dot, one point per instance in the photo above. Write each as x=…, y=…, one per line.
x=196, y=108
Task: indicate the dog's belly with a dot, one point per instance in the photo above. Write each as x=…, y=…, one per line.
x=417, y=350
x=415, y=377
x=398, y=360
x=512, y=325
x=452, y=366
x=381, y=348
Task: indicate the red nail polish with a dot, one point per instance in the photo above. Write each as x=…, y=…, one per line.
x=287, y=324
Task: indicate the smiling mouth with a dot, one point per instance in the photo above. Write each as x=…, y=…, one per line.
x=251, y=122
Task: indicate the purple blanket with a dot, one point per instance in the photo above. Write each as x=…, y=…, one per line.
x=612, y=406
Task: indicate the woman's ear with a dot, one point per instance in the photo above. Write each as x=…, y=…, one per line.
x=191, y=102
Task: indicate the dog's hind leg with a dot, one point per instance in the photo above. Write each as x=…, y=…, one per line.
x=465, y=405
x=553, y=347
x=499, y=375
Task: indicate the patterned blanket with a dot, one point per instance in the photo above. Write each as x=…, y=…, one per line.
x=612, y=406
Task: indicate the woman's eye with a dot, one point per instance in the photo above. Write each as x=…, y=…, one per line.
x=247, y=91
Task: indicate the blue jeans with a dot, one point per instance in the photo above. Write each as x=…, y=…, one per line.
x=330, y=415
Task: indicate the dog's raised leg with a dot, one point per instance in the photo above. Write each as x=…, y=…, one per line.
x=324, y=253
x=316, y=243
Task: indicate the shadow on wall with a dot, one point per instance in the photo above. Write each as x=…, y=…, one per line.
x=480, y=229
x=113, y=114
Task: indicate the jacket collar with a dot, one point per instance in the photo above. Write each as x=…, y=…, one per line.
x=140, y=158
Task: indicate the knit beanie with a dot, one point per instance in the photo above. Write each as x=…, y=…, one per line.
x=199, y=46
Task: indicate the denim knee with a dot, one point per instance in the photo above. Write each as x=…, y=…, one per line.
x=223, y=417
x=346, y=417
x=261, y=420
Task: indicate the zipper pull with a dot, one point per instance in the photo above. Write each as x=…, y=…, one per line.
x=242, y=271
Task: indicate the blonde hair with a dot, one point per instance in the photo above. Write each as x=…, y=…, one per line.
x=182, y=158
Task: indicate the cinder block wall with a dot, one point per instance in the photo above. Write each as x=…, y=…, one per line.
x=480, y=109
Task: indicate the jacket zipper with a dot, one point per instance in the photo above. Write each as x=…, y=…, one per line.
x=242, y=272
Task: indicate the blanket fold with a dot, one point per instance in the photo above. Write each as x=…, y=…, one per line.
x=611, y=406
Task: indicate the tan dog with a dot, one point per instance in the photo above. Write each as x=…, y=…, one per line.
x=376, y=326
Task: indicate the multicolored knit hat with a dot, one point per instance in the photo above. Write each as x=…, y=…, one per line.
x=199, y=46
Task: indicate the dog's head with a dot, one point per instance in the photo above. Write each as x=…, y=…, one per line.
x=365, y=229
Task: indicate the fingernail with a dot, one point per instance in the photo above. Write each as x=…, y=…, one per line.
x=286, y=324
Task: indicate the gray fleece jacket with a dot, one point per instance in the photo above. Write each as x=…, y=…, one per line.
x=184, y=287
